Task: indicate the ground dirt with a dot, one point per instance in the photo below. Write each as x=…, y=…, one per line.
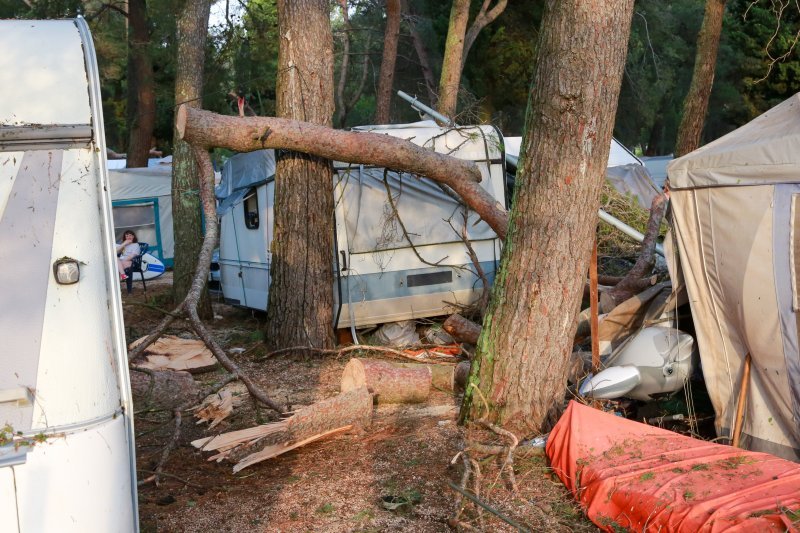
x=338, y=484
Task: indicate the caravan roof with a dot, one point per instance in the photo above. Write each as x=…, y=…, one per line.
x=617, y=156
x=50, y=87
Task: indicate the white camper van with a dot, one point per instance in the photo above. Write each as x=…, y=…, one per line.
x=66, y=449
x=395, y=259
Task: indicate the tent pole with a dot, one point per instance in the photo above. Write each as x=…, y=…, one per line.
x=739, y=420
x=593, y=310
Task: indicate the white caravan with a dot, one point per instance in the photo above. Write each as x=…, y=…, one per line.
x=380, y=275
x=66, y=449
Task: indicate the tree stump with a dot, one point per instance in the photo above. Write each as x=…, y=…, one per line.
x=389, y=383
x=162, y=389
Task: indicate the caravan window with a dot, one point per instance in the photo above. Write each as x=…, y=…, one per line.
x=251, y=209
x=139, y=218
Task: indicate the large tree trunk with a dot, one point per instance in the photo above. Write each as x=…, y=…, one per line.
x=386, y=78
x=192, y=28
x=696, y=103
x=451, y=63
x=300, y=308
x=206, y=129
x=141, y=87
x=523, y=352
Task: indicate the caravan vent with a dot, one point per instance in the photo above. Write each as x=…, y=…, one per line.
x=432, y=278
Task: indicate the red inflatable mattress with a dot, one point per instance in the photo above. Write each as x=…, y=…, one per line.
x=636, y=477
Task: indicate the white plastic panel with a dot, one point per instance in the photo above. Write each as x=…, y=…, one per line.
x=77, y=483
x=42, y=73
x=9, y=166
x=77, y=375
x=8, y=501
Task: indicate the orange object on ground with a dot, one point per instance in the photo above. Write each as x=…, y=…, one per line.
x=642, y=478
x=448, y=350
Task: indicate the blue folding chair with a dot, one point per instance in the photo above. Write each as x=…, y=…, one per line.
x=136, y=266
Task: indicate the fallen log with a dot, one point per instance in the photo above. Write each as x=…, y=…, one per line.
x=246, y=134
x=249, y=446
x=389, y=383
x=461, y=329
x=444, y=377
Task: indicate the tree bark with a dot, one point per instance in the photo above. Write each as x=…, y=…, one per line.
x=386, y=77
x=141, y=87
x=695, y=106
x=389, y=383
x=444, y=377
x=192, y=28
x=451, y=63
x=523, y=353
x=300, y=307
x=461, y=329
x=206, y=129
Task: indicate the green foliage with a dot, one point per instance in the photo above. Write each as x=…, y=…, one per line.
x=242, y=53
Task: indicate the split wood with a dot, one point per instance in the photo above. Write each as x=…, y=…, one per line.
x=328, y=417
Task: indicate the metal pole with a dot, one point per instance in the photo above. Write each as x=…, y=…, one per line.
x=419, y=106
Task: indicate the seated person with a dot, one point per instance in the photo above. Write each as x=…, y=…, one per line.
x=126, y=251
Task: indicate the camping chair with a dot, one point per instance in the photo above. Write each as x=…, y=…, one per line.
x=136, y=266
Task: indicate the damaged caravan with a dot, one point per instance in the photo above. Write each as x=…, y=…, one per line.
x=66, y=419
x=399, y=252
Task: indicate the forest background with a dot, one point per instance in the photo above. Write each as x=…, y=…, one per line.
x=242, y=57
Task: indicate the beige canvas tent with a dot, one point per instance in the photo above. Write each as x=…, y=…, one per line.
x=737, y=234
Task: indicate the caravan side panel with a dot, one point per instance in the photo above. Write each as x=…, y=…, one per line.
x=64, y=383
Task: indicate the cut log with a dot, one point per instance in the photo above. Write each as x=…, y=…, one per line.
x=173, y=353
x=444, y=377
x=461, y=329
x=163, y=390
x=252, y=445
x=389, y=383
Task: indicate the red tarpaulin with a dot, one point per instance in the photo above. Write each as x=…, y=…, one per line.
x=642, y=478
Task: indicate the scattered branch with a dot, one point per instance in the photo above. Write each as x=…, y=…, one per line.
x=632, y=283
